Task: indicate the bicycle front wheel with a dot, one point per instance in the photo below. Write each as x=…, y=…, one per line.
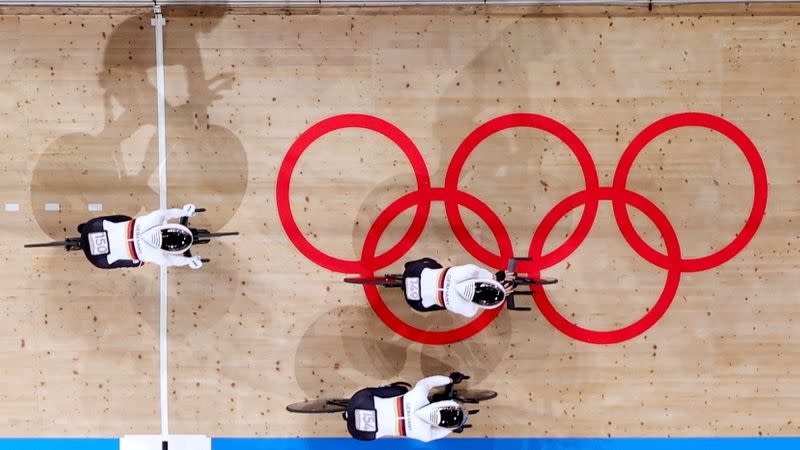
x=523, y=281
x=321, y=406
x=474, y=395
x=205, y=234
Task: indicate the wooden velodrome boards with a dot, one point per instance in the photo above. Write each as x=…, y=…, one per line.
x=264, y=325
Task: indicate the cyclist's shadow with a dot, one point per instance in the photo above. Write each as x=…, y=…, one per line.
x=348, y=348
x=117, y=165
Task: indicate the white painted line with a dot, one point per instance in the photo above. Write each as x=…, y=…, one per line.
x=12, y=207
x=52, y=207
x=163, y=353
x=154, y=442
x=158, y=22
x=95, y=207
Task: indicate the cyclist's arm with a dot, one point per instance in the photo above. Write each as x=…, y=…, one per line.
x=178, y=260
x=166, y=259
x=484, y=274
x=435, y=381
x=173, y=213
x=472, y=272
x=160, y=216
x=437, y=433
x=432, y=433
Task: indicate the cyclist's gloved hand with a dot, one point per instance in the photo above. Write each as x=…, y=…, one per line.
x=196, y=262
x=457, y=377
x=189, y=209
x=506, y=275
x=507, y=278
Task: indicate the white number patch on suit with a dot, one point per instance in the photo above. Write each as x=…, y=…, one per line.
x=98, y=243
x=412, y=288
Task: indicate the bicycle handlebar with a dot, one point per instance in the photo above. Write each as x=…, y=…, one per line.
x=510, y=304
x=512, y=262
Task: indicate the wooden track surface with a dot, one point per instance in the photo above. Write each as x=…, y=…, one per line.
x=261, y=326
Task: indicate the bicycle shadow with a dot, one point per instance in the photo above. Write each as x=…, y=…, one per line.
x=510, y=164
x=348, y=348
x=117, y=167
x=343, y=348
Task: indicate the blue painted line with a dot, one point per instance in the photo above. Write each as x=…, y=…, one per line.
x=763, y=443
x=511, y=444
x=59, y=444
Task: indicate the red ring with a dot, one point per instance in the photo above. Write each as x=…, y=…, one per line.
x=589, y=197
x=371, y=242
x=673, y=271
x=760, y=188
x=285, y=177
x=531, y=121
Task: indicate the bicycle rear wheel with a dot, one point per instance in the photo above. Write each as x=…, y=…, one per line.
x=474, y=395
x=206, y=234
x=385, y=281
x=47, y=244
x=524, y=281
x=320, y=406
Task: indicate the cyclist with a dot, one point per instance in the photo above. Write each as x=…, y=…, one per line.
x=464, y=290
x=112, y=242
x=396, y=411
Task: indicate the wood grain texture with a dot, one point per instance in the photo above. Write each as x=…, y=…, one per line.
x=261, y=326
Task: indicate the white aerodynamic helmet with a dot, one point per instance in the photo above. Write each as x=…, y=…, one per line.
x=445, y=414
x=486, y=294
x=171, y=238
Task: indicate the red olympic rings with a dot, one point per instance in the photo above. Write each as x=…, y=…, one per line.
x=285, y=176
x=673, y=257
x=760, y=184
x=371, y=242
x=590, y=197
